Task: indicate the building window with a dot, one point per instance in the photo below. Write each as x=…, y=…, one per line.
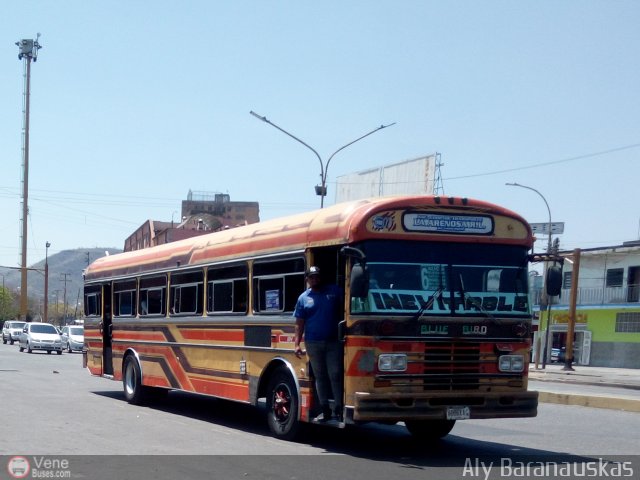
x=614, y=277
x=566, y=279
x=628, y=322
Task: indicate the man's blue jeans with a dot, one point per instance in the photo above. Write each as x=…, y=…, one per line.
x=327, y=360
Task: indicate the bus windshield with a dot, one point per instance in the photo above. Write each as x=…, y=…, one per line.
x=406, y=278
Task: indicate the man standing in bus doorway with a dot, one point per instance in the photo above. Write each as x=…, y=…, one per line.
x=318, y=312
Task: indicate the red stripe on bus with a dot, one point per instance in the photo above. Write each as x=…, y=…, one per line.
x=132, y=336
x=213, y=335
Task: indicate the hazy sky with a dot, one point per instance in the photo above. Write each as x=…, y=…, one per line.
x=134, y=103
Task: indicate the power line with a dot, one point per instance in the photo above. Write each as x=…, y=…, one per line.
x=553, y=162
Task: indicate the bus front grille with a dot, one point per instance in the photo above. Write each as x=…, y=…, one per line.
x=451, y=366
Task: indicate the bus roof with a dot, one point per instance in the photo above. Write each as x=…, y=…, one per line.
x=339, y=224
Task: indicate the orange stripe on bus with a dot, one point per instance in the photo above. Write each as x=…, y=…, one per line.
x=221, y=389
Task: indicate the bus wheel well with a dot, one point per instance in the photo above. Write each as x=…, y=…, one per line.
x=267, y=374
x=127, y=353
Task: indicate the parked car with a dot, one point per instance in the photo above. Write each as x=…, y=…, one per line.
x=72, y=337
x=40, y=336
x=11, y=331
x=559, y=354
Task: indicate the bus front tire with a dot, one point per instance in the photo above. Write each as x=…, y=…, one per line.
x=282, y=405
x=132, y=381
x=429, y=429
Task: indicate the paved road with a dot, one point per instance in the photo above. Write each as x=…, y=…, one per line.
x=53, y=407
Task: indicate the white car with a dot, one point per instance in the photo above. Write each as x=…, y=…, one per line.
x=72, y=337
x=11, y=331
x=40, y=336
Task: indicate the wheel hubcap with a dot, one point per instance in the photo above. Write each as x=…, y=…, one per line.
x=130, y=380
x=281, y=403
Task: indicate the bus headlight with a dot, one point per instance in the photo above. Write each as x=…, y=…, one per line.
x=392, y=362
x=511, y=363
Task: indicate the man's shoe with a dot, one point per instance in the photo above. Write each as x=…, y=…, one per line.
x=324, y=417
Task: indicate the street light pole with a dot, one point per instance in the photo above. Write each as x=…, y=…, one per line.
x=546, y=339
x=545, y=202
x=46, y=282
x=28, y=52
x=324, y=168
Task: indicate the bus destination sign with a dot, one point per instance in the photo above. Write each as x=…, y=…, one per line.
x=448, y=223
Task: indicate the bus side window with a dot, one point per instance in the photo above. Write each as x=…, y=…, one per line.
x=227, y=290
x=277, y=284
x=92, y=301
x=124, y=295
x=153, y=295
x=186, y=293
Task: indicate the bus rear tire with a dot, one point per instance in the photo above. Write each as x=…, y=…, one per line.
x=282, y=405
x=132, y=381
x=429, y=430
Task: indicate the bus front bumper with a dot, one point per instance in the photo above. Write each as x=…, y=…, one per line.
x=398, y=407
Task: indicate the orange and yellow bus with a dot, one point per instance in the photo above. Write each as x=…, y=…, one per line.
x=436, y=325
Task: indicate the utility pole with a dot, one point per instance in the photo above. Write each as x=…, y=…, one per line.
x=46, y=282
x=57, y=292
x=573, y=299
x=64, y=279
x=28, y=51
x=75, y=315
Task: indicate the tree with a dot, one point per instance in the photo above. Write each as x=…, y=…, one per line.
x=8, y=307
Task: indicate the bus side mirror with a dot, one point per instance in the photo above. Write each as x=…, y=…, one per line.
x=554, y=280
x=359, y=282
x=354, y=253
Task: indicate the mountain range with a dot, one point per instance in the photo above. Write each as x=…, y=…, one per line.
x=65, y=270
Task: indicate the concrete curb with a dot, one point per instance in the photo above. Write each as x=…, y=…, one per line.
x=611, y=403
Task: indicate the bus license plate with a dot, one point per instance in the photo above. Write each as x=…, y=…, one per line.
x=458, y=413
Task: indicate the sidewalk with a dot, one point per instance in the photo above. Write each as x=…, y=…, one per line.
x=600, y=387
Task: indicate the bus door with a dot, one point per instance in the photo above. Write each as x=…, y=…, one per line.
x=107, y=330
x=332, y=266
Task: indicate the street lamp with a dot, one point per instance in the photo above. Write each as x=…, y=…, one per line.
x=324, y=168
x=46, y=282
x=546, y=296
x=545, y=202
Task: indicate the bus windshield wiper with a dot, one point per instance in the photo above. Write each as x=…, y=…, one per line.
x=474, y=302
x=429, y=303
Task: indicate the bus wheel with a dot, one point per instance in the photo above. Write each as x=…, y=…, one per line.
x=132, y=381
x=429, y=429
x=282, y=405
